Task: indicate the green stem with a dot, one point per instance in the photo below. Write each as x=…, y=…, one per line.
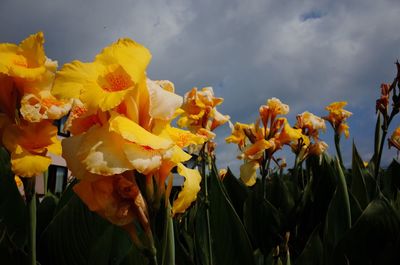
x=30, y=193
x=168, y=241
x=338, y=151
x=207, y=202
x=295, y=168
x=385, y=127
x=264, y=173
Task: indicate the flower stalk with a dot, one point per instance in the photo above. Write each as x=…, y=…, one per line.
x=30, y=193
x=204, y=159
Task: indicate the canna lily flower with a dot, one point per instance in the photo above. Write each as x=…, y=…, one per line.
x=337, y=117
x=26, y=60
x=238, y=135
x=103, y=84
x=310, y=124
x=200, y=110
x=120, y=121
x=394, y=139
x=288, y=136
x=271, y=110
x=26, y=77
x=29, y=144
x=317, y=148
x=382, y=103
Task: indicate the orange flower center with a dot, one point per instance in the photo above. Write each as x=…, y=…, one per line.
x=116, y=80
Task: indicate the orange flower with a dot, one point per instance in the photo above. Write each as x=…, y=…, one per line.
x=394, y=140
x=29, y=144
x=338, y=116
x=200, y=110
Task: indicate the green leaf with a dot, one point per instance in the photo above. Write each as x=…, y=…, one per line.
x=338, y=219
x=262, y=221
x=313, y=251
x=374, y=238
x=9, y=252
x=278, y=194
x=13, y=213
x=391, y=180
x=45, y=212
x=237, y=192
x=358, y=186
x=230, y=243
x=78, y=236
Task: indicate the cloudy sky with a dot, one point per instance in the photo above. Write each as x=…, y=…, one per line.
x=307, y=53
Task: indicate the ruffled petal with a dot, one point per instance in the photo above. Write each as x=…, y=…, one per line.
x=102, y=152
x=133, y=132
x=189, y=191
x=132, y=56
x=248, y=172
x=26, y=164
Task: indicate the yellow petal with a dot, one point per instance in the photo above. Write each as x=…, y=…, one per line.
x=71, y=79
x=163, y=103
x=182, y=138
x=189, y=191
x=133, y=132
x=132, y=56
x=33, y=137
x=71, y=147
x=7, y=54
x=26, y=164
x=102, y=152
x=94, y=96
x=177, y=155
x=248, y=172
x=144, y=160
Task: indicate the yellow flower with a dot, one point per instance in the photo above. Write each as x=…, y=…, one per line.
x=120, y=121
x=200, y=110
x=394, y=139
x=317, y=148
x=238, y=135
x=271, y=110
x=338, y=116
x=104, y=83
x=26, y=60
x=310, y=124
x=29, y=144
x=26, y=77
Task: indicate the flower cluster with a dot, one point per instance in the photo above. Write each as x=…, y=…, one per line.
x=337, y=117
x=200, y=115
x=258, y=144
x=394, y=139
x=310, y=144
x=120, y=121
x=27, y=106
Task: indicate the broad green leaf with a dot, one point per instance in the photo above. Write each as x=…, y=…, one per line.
x=358, y=186
x=262, y=221
x=230, y=243
x=338, y=219
x=9, y=252
x=13, y=213
x=374, y=238
x=237, y=192
x=313, y=251
x=78, y=236
x=45, y=212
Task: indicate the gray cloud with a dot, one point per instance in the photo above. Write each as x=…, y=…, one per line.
x=307, y=53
